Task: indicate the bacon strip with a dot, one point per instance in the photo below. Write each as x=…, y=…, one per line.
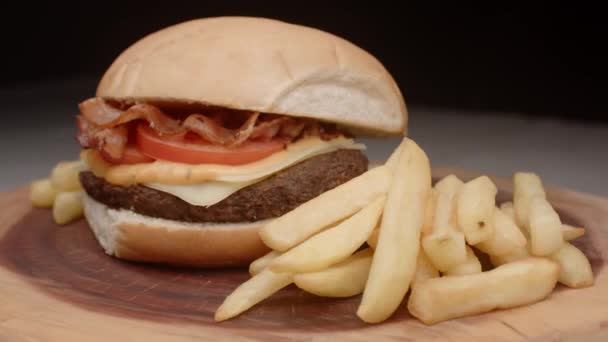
x=102, y=114
x=208, y=129
x=109, y=140
x=266, y=130
x=292, y=129
x=106, y=127
x=99, y=112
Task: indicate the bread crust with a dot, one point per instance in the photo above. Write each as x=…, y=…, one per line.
x=260, y=64
x=130, y=236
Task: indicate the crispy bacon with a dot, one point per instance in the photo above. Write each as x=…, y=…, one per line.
x=292, y=129
x=109, y=140
x=158, y=120
x=266, y=130
x=105, y=126
x=99, y=112
x=102, y=114
x=210, y=130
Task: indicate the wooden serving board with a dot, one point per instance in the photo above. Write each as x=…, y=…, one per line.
x=57, y=284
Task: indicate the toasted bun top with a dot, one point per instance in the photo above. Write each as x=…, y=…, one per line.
x=261, y=65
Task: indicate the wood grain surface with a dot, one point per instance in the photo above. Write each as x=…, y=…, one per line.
x=57, y=284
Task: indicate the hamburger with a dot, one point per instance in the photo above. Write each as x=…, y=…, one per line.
x=204, y=131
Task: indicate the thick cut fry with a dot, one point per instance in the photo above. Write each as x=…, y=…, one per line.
x=445, y=250
x=65, y=175
x=470, y=266
x=526, y=185
x=475, y=208
x=344, y=279
x=545, y=228
x=391, y=163
x=424, y=268
x=260, y=263
x=326, y=209
x=445, y=246
x=575, y=269
x=445, y=211
x=67, y=207
x=507, y=208
x=444, y=220
x=372, y=240
x=511, y=285
x=506, y=205
x=449, y=185
x=251, y=292
x=332, y=245
x=394, y=261
x=570, y=233
x=516, y=254
x=507, y=236
x=429, y=213
x=42, y=193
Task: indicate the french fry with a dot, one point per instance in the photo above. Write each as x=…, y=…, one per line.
x=545, y=228
x=260, y=263
x=251, y=292
x=516, y=254
x=519, y=283
x=570, y=233
x=470, y=266
x=475, y=208
x=394, y=262
x=429, y=213
x=526, y=185
x=445, y=250
x=506, y=205
x=424, y=268
x=344, y=279
x=372, y=240
x=507, y=208
x=42, y=193
x=575, y=269
x=67, y=207
x=391, y=163
x=449, y=185
x=444, y=213
x=507, y=236
x=445, y=246
x=332, y=245
x=326, y=209
x=64, y=175
x=427, y=226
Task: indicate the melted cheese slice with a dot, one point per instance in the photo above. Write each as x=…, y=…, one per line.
x=204, y=194
x=207, y=184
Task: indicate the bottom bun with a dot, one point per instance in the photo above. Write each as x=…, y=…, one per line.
x=131, y=236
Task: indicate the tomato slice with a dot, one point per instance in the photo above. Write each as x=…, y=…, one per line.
x=191, y=149
x=130, y=155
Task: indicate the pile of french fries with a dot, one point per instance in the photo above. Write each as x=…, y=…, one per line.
x=61, y=191
x=390, y=231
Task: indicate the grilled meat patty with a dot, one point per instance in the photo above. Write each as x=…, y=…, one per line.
x=269, y=198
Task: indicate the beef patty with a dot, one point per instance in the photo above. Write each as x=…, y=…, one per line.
x=269, y=198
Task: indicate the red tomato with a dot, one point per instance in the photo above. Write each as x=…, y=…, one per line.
x=194, y=150
x=131, y=155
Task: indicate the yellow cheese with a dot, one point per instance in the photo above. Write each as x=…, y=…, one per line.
x=171, y=173
x=203, y=194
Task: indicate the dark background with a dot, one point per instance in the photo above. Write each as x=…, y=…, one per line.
x=535, y=59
